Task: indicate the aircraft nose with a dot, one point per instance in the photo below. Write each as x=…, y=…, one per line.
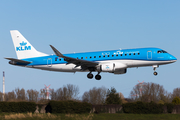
x=172, y=58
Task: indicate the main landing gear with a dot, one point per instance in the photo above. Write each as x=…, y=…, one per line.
x=154, y=68
x=90, y=75
x=97, y=77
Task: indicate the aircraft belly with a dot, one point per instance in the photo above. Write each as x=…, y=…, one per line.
x=56, y=67
x=137, y=63
x=141, y=63
x=73, y=68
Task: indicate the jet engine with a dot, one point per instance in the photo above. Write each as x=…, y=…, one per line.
x=116, y=68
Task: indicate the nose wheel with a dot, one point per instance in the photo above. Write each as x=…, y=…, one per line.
x=154, y=68
x=155, y=73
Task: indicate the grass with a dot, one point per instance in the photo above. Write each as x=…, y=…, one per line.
x=102, y=116
x=136, y=117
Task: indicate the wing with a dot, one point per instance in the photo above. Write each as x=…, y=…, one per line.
x=85, y=64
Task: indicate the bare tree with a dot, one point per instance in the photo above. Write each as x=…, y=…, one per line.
x=150, y=92
x=11, y=96
x=32, y=95
x=176, y=92
x=68, y=92
x=21, y=94
x=53, y=94
x=95, y=95
x=1, y=96
x=42, y=94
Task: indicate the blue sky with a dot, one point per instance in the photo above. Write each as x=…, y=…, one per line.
x=80, y=26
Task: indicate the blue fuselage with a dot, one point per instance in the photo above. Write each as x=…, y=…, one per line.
x=141, y=54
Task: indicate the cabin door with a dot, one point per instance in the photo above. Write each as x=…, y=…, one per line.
x=149, y=54
x=49, y=62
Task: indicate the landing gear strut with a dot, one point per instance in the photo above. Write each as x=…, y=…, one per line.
x=90, y=75
x=98, y=77
x=154, y=68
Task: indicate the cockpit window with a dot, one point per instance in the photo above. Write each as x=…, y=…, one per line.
x=161, y=51
x=164, y=51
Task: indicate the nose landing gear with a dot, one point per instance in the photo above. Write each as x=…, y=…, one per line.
x=154, y=68
x=155, y=73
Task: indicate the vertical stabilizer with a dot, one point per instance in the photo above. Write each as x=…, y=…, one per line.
x=22, y=47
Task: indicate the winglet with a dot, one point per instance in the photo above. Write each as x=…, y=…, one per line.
x=56, y=51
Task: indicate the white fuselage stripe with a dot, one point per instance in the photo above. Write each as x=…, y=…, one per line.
x=72, y=68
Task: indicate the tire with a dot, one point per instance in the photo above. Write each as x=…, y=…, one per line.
x=90, y=76
x=155, y=73
x=98, y=77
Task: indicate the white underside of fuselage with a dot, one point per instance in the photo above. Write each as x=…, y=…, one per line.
x=73, y=68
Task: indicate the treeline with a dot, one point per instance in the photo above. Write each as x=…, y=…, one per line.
x=67, y=92
x=153, y=92
x=96, y=96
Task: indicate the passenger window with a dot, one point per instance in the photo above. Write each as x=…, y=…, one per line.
x=108, y=55
x=56, y=59
x=125, y=54
x=129, y=53
x=81, y=57
x=90, y=57
x=103, y=55
x=121, y=54
x=117, y=55
x=94, y=56
x=86, y=57
x=134, y=53
x=99, y=56
x=112, y=55
x=59, y=59
x=138, y=53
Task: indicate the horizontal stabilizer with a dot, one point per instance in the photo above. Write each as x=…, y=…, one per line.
x=18, y=60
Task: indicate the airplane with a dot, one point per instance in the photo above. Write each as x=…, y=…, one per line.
x=111, y=61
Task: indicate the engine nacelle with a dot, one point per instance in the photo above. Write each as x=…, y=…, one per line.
x=121, y=71
x=116, y=68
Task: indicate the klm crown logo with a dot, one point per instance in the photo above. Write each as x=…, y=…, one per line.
x=23, y=47
x=107, y=67
x=23, y=43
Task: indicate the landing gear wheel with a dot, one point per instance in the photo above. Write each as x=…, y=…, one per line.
x=98, y=77
x=155, y=73
x=90, y=75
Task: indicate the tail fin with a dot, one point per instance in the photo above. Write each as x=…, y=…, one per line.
x=22, y=47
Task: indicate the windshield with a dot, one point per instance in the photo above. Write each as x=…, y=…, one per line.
x=161, y=51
